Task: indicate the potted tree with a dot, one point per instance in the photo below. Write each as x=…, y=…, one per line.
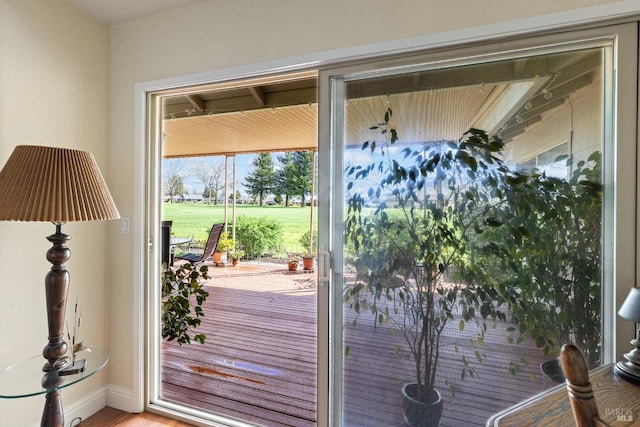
x=440, y=200
x=308, y=261
x=458, y=212
x=309, y=241
x=552, y=284
x=225, y=243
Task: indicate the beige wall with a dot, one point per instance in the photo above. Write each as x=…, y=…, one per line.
x=55, y=66
x=54, y=90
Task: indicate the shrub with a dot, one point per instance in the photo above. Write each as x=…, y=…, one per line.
x=304, y=242
x=256, y=235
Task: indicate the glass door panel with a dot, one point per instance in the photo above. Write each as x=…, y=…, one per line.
x=473, y=223
x=239, y=345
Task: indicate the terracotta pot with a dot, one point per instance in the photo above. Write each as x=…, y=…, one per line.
x=217, y=257
x=235, y=261
x=309, y=263
x=293, y=265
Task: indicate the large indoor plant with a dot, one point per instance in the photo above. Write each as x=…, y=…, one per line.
x=428, y=210
x=517, y=246
x=549, y=272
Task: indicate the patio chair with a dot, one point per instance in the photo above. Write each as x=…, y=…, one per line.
x=166, y=247
x=583, y=403
x=209, y=249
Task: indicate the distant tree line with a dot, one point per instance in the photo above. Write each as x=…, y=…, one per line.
x=287, y=178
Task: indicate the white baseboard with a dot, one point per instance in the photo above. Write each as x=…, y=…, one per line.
x=85, y=407
x=121, y=398
x=109, y=395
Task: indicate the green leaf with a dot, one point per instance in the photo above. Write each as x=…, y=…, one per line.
x=493, y=222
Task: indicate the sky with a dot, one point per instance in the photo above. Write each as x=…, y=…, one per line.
x=354, y=156
x=243, y=168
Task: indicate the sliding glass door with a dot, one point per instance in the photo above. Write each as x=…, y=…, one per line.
x=475, y=211
x=475, y=223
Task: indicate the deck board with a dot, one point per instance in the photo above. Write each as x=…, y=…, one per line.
x=259, y=360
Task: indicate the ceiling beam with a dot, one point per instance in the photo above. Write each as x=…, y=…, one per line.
x=539, y=103
x=243, y=103
x=491, y=73
x=196, y=102
x=258, y=95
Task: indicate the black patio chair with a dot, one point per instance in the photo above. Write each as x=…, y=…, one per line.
x=166, y=236
x=209, y=249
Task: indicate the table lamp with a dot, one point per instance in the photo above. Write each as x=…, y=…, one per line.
x=56, y=185
x=630, y=310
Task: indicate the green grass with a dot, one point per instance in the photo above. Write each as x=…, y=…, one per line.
x=195, y=220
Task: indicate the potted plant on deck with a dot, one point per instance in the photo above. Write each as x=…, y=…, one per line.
x=225, y=243
x=292, y=263
x=308, y=261
x=235, y=255
x=310, y=242
x=440, y=200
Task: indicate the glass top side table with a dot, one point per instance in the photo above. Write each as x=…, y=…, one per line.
x=26, y=378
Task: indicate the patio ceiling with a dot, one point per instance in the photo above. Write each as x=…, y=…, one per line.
x=280, y=113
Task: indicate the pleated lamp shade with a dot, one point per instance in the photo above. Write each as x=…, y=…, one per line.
x=53, y=184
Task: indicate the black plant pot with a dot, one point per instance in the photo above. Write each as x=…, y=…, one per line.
x=553, y=370
x=420, y=414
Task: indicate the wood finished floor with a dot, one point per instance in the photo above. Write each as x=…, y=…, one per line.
x=107, y=417
x=258, y=363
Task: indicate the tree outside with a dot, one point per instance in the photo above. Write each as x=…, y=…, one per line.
x=174, y=181
x=302, y=182
x=285, y=176
x=262, y=180
x=294, y=177
x=211, y=175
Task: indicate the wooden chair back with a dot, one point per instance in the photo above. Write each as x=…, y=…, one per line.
x=583, y=403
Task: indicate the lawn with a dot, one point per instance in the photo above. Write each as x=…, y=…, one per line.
x=195, y=220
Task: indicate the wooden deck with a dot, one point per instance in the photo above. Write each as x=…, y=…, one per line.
x=258, y=362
